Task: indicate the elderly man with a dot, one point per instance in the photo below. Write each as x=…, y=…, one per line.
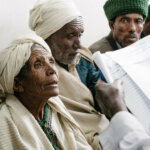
x=60, y=24
x=126, y=20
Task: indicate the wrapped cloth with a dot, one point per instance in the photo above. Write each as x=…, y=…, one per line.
x=48, y=17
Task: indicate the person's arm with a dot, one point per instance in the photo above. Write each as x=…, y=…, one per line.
x=124, y=131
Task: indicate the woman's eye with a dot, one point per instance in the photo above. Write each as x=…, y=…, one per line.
x=37, y=64
x=51, y=61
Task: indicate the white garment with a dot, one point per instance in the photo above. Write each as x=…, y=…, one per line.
x=49, y=16
x=20, y=131
x=125, y=133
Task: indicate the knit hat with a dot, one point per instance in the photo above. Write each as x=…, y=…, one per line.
x=115, y=8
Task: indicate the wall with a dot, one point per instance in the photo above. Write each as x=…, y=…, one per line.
x=96, y=24
x=14, y=19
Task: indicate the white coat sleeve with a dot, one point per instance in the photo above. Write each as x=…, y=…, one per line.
x=125, y=133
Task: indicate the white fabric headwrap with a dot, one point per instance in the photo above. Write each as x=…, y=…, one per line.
x=48, y=17
x=13, y=58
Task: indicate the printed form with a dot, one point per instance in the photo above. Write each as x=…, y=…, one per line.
x=132, y=65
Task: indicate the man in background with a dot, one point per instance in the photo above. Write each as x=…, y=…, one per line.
x=60, y=24
x=126, y=20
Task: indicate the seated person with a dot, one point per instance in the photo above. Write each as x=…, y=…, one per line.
x=33, y=117
x=126, y=20
x=60, y=24
x=124, y=131
x=31, y=114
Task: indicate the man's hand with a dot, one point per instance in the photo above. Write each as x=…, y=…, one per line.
x=110, y=97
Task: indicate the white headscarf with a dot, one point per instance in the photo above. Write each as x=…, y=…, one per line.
x=13, y=58
x=48, y=17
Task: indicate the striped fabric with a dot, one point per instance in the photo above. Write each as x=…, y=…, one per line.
x=46, y=126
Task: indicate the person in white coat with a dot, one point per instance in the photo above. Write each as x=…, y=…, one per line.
x=124, y=131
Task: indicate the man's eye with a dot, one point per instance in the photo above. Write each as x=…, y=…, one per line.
x=70, y=35
x=80, y=34
x=124, y=20
x=139, y=21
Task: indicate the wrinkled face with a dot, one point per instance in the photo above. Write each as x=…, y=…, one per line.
x=65, y=43
x=127, y=28
x=41, y=78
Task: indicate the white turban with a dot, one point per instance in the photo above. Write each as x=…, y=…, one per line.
x=13, y=58
x=48, y=17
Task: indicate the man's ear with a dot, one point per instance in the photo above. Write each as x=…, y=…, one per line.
x=111, y=25
x=18, y=87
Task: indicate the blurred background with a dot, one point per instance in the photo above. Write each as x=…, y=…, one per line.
x=14, y=20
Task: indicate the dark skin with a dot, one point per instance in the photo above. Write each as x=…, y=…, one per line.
x=110, y=97
x=65, y=43
x=127, y=28
x=38, y=83
x=146, y=30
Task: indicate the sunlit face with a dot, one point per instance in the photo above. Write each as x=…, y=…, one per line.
x=65, y=43
x=127, y=28
x=41, y=78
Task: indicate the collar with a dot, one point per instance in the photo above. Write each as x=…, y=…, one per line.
x=118, y=45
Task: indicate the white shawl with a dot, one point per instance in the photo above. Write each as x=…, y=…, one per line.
x=20, y=131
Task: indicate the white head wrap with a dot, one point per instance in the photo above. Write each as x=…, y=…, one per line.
x=48, y=17
x=13, y=58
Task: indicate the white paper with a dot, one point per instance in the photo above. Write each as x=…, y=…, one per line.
x=132, y=65
x=135, y=60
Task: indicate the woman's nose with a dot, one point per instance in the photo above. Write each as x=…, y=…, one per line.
x=50, y=69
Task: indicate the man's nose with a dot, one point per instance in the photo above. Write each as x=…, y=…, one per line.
x=132, y=27
x=77, y=43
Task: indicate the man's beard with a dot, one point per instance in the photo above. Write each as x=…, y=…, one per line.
x=63, y=59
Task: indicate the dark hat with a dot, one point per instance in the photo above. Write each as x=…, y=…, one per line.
x=114, y=8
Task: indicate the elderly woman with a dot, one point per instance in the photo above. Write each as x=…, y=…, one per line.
x=32, y=116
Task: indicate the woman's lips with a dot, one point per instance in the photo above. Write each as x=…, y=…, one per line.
x=51, y=84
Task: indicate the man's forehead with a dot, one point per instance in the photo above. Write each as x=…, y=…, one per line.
x=76, y=23
x=131, y=15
